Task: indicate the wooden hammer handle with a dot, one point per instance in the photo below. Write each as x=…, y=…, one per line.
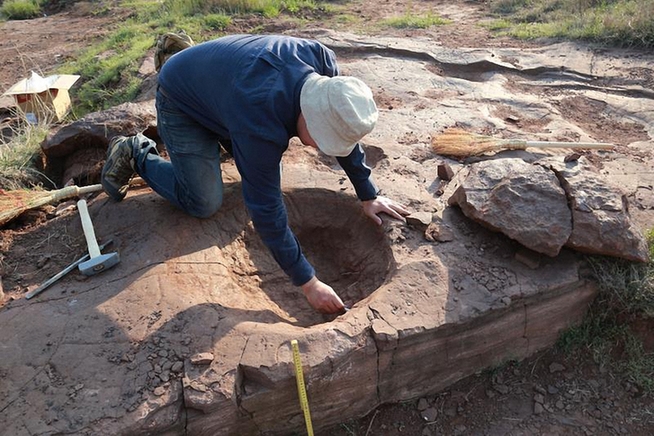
x=87, y=225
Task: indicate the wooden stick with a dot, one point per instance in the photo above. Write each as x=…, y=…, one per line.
x=559, y=144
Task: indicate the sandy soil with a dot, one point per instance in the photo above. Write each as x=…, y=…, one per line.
x=548, y=394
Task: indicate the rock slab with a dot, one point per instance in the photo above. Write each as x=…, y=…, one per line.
x=549, y=205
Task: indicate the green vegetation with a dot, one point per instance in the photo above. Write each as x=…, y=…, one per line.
x=610, y=22
x=19, y=157
x=412, y=21
x=20, y=9
x=109, y=70
x=626, y=297
x=217, y=21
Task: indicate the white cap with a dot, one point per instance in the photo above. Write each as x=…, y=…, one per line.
x=339, y=111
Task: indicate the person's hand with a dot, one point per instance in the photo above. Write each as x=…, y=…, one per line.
x=322, y=297
x=372, y=208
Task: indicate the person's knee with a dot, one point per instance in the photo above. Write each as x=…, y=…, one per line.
x=204, y=208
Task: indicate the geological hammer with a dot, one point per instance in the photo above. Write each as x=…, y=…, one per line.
x=61, y=273
x=98, y=262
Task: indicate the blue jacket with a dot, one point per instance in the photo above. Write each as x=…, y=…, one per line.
x=246, y=88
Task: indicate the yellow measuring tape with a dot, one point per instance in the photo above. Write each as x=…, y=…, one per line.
x=301, y=389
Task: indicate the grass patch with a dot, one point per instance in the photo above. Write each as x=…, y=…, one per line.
x=109, y=70
x=20, y=9
x=217, y=21
x=346, y=19
x=627, y=23
x=267, y=8
x=626, y=295
x=19, y=157
x=411, y=21
x=498, y=25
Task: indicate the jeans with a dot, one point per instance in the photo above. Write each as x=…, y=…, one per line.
x=192, y=179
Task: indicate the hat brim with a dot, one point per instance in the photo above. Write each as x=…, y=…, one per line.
x=324, y=123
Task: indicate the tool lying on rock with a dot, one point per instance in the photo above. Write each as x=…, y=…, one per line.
x=98, y=262
x=13, y=203
x=62, y=273
x=459, y=143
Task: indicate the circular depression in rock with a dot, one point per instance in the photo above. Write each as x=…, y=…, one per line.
x=347, y=249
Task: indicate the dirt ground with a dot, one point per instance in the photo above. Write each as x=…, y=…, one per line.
x=549, y=394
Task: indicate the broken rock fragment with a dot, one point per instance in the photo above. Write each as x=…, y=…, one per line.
x=96, y=129
x=551, y=204
x=77, y=151
x=438, y=231
x=419, y=220
x=600, y=214
x=445, y=172
x=202, y=358
x=521, y=200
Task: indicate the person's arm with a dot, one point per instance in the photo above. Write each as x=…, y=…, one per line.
x=263, y=198
x=360, y=175
x=327, y=65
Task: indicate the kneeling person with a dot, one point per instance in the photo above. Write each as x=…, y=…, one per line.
x=251, y=94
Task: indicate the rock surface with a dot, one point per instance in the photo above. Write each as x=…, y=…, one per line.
x=96, y=129
x=551, y=204
x=524, y=201
x=174, y=298
x=600, y=215
x=75, y=151
x=112, y=354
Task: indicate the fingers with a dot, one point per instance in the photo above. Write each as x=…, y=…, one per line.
x=400, y=209
x=330, y=308
x=373, y=216
x=393, y=210
x=396, y=207
x=322, y=297
x=379, y=205
x=394, y=213
x=334, y=304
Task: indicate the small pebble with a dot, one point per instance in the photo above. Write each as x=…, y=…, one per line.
x=552, y=390
x=556, y=367
x=502, y=389
x=429, y=415
x=202, y=358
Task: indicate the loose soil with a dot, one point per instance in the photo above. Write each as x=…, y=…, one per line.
x=549, y=394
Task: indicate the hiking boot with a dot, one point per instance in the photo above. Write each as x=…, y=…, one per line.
x=118, y=168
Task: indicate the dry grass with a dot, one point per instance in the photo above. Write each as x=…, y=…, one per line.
x=20, y=156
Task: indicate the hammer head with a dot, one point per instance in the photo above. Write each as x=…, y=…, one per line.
x=99, y=263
